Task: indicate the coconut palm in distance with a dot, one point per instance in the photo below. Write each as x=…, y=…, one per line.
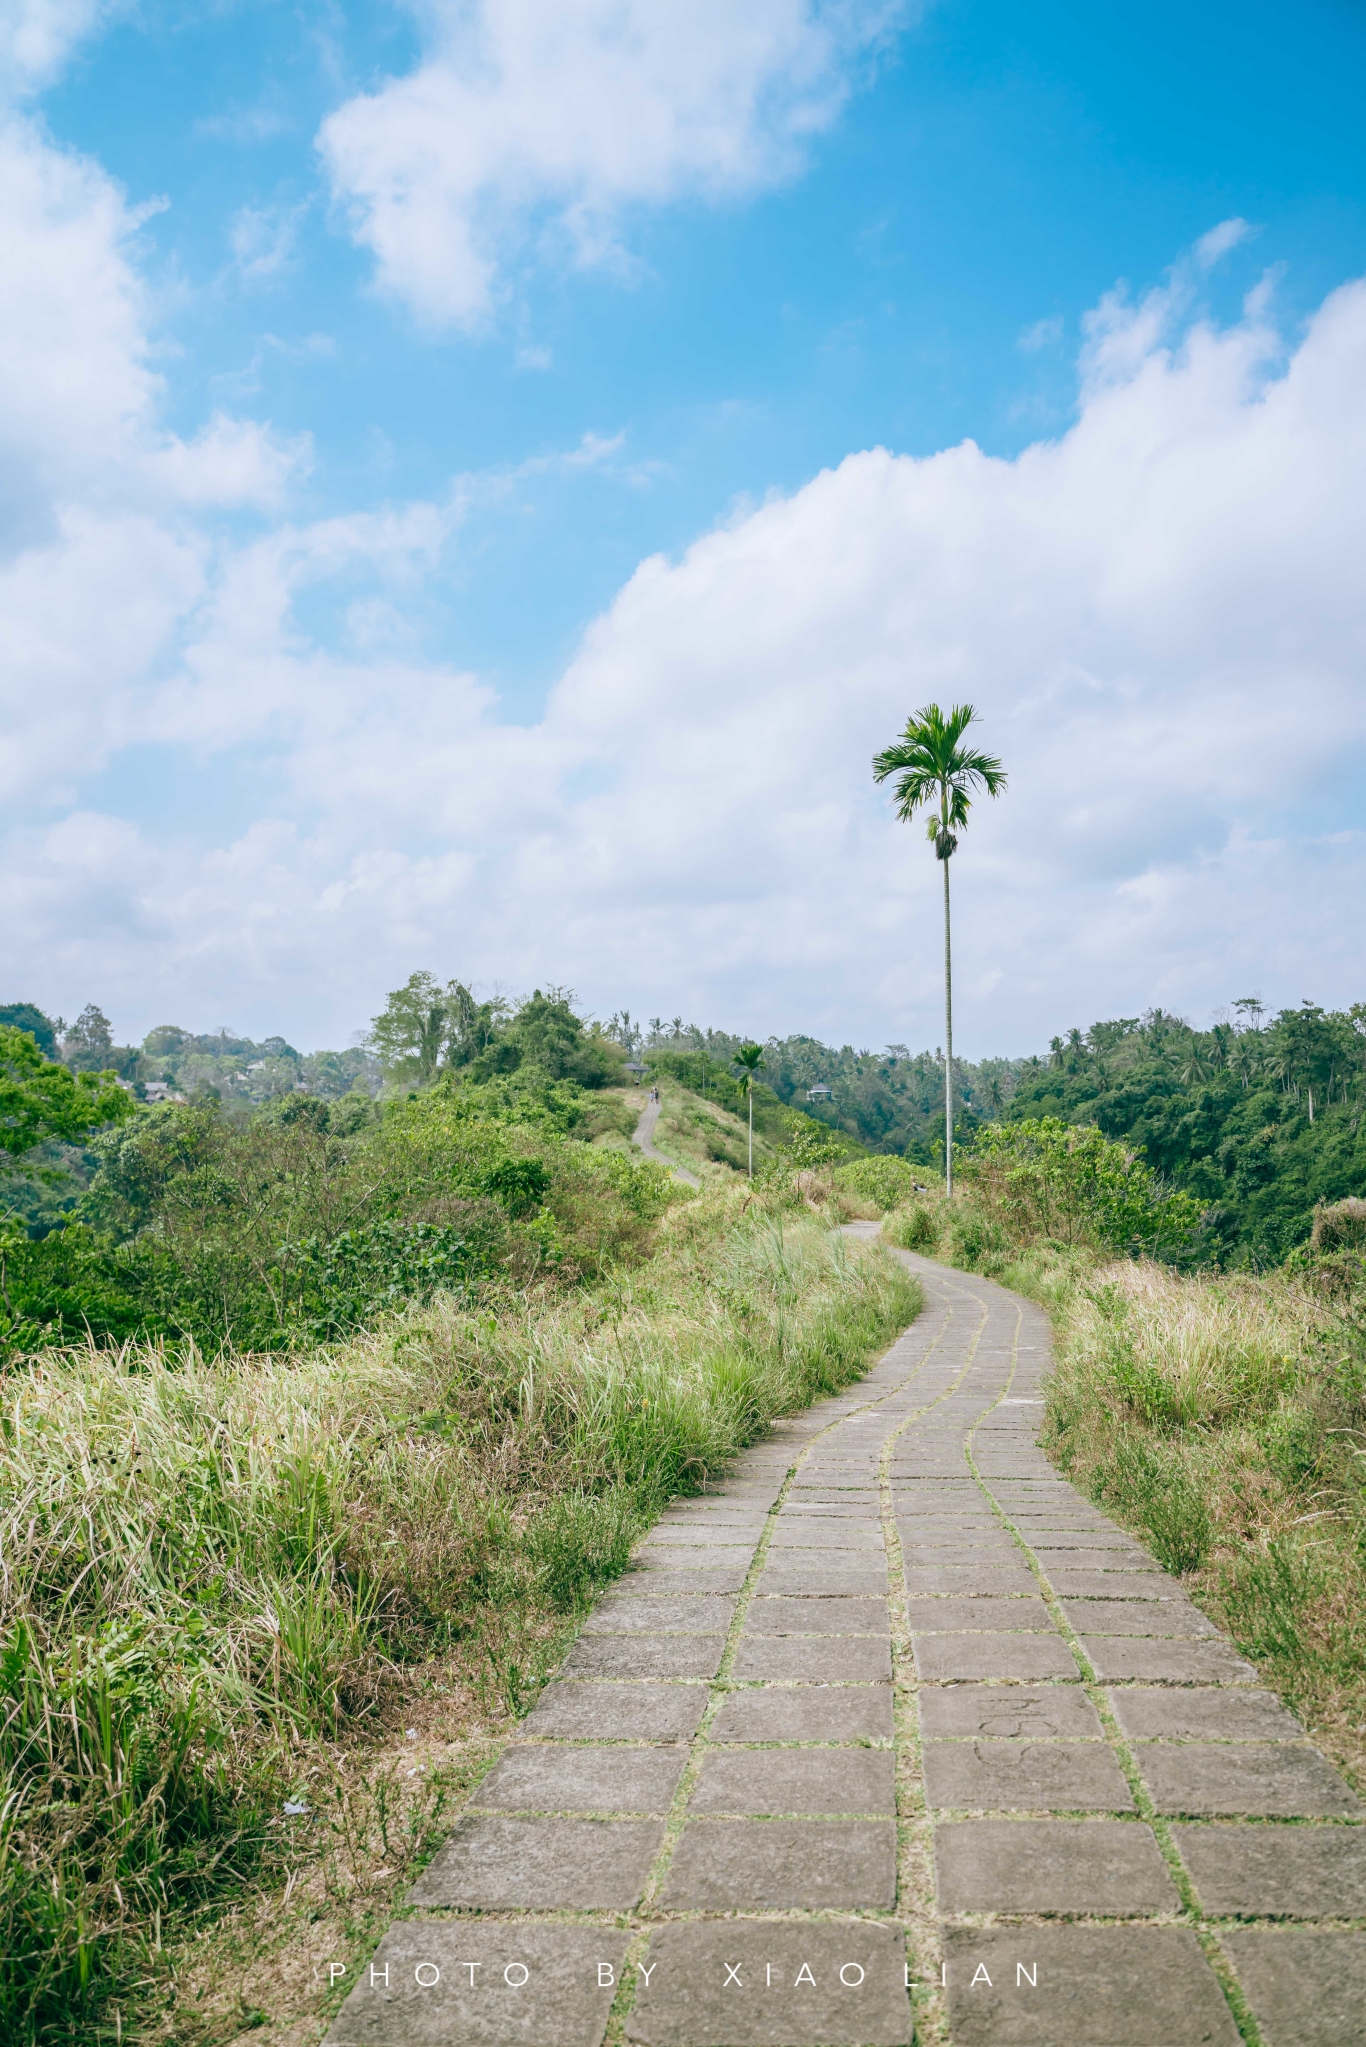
x=933, y=767
x=750, y=1060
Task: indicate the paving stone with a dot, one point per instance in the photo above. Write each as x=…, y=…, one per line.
x=1259, y=1872
x=1024, y=1776
x=773, y=1985
x=1046, y=1522
x=806, y=1713
x=820, y=1581
x=657, y=1582
x=1092, y=1547
x=942, y=1615
x=772, y=1780
x=864, y=1510
x=950, y=1658
x=531, y=1778
x=1167, y=1715
x=617, y=1712
x=1307, y=1989
x=1166, y=1662
x=1009, y=1712
x=1095, y=1986
x=1273, y=1779
x=1084, y=1866
x=541, y=1865
x=495, y=1986
x=853, y=1659
x=783, y=1865
x=1069, y=1583
x=1135, y=1617
x=971, y=1581
x=678, y=1556
x=826, y=1537
x=619, y=1615
x=714, y=1514
x=936, y=1534
x=838, y=1616
x=645, y=1656
x=1108, y=1562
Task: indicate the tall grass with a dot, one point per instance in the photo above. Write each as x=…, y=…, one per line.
x=210, y=1567
x=1225, y=1418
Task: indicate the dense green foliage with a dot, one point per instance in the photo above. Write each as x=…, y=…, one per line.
x=1048, y=1179
x=41, y=1101
x=310, y=1218
x=1257, y=1123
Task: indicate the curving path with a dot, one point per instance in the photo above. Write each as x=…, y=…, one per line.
x=894, y=1706
x=645, y=1137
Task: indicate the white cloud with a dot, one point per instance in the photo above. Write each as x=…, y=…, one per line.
x=549, y=119
x=37, y=36
x=1043, y=334
x=262, y=240
x=1217, y=243
x=1159, y=615
x=104, y=552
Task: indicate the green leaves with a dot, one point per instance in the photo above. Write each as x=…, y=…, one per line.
x=932, y=765
x=749, y=1059
x=40, y=1100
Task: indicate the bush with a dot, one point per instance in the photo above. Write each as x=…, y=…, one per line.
x=887, y=1181
x=916, y=1228
x=1339, y=1226
x=1046, y=1178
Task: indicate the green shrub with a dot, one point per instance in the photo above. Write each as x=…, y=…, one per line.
x=915, y=1228
x=887, y=1181
x=1046, y=1178
x=1339, y=1226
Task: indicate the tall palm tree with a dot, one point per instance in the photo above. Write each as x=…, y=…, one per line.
x=933, y=766
x=750, y=1060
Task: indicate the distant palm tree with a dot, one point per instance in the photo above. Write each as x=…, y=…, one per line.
x=750, y=1060
x=933, y=766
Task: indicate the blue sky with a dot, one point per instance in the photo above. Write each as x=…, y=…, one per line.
x=398, y=690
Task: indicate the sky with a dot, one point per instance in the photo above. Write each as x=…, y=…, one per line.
x=480, y=480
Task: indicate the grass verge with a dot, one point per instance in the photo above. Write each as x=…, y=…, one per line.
x=263, y=1616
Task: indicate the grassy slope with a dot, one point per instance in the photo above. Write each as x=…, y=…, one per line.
x=1223, y=1420
x=335, y=1578
x=709, y=1140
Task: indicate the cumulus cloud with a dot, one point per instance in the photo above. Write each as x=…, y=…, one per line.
x=1159, y=615
x=104, y=552
x=37, y=36
x=551, y=118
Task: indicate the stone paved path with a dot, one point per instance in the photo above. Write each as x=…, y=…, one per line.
x=895, y=1658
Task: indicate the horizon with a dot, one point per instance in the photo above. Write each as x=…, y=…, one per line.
x=1266, y=1015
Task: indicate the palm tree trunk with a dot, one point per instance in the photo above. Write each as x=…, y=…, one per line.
x=751, y=1130
x=948, y=1044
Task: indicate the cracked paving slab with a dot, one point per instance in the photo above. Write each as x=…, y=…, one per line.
x=892, y=1728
